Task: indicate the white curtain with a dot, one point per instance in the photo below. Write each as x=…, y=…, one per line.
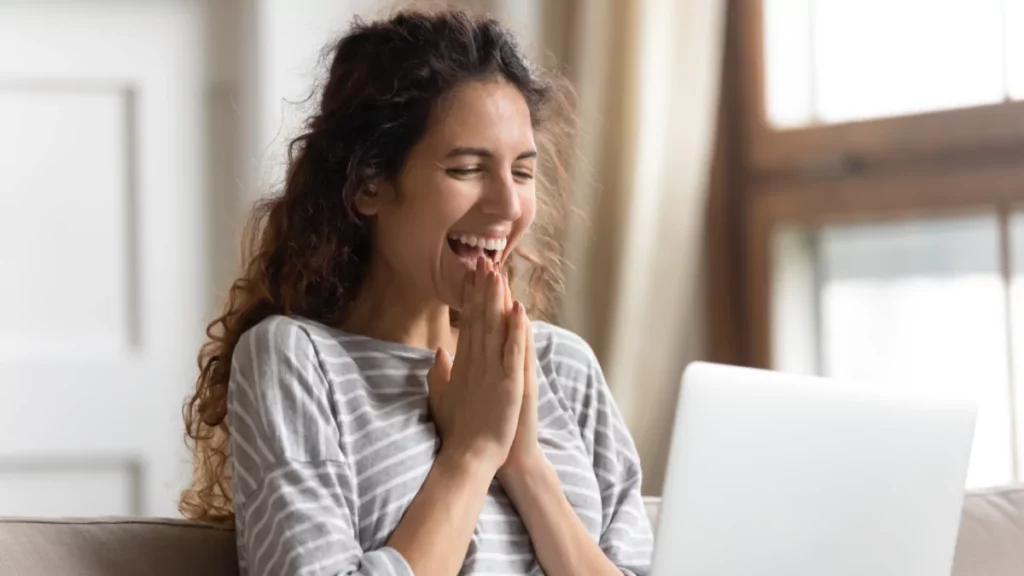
x=648, y=74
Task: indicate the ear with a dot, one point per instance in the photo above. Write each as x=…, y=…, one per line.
x=368, y=199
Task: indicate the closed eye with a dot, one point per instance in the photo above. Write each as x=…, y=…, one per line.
x=463, y=172
x=522, y=174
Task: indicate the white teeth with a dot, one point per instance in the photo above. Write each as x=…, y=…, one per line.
x=485, y=243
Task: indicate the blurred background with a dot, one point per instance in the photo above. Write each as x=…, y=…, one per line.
x=831, y=187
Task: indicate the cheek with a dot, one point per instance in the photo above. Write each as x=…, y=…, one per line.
x=443, y=201
x=421, y=231
x=528, y=208
x=404, y=235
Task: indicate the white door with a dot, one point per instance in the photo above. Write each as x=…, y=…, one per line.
x=104, y=252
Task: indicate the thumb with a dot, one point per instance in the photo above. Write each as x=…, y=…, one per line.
x=441, y=371
x=530, y=365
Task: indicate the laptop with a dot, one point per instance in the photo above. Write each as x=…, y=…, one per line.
x=782, y=475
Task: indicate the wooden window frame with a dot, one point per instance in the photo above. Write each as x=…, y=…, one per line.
x=951, y=162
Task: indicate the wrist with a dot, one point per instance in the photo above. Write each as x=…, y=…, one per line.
x=524, y=461
x=531, y=475
x=471, y=466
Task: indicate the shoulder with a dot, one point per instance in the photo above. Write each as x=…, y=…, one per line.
x=569, y=367
x=288, y=330
x=293, y=336
x=277, y=332
x=563, y=348
x=278, y=396
x=572, y=371
x=275, y=344
x=283, y=347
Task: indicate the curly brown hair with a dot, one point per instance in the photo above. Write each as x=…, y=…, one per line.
x=307, y=249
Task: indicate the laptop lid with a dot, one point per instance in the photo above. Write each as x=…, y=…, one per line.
x=778, y=474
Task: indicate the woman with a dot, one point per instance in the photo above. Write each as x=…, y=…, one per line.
x=357, y=443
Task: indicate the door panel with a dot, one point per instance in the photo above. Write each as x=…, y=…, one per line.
x=54, y=192
x=104, y=249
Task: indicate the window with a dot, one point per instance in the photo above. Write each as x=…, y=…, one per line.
x=831, y=61
x=868, y=81
x=881, y=146
x=916, y=303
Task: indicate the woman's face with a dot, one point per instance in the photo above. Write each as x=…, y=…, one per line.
x=466, y=191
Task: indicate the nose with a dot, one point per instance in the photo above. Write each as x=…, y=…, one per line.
x=501, y=199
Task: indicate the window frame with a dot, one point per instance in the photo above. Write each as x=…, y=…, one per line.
x=933, y=164
x=927, y=192
x=860, y=143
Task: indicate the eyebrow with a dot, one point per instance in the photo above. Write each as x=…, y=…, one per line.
x=484, y=153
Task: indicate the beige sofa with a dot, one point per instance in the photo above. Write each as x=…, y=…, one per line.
x=991, y=543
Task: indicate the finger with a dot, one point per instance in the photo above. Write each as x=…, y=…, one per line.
x=465, y=313
x=530, y=376
x=515, y=344
x=508, y=292
x=438, y=378
x=507, y=307
x=441, y=371
x=467, y=294
x=476, y=325
x=494, y=316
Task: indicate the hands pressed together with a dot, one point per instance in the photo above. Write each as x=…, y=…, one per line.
x=484, y=405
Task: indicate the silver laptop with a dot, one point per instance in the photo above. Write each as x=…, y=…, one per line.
x=773, y=474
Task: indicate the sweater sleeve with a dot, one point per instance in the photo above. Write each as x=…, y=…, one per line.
x=626, y=535
x=295, y=497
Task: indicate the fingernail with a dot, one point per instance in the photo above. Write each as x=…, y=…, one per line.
x=517, y=307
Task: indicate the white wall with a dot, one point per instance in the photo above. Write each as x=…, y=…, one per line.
x=288, y=39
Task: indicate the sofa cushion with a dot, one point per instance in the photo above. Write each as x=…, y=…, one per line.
x=991, y=540
x=114, y=547
x=991, y=543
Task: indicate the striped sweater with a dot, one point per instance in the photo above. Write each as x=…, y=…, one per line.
x=331, y=440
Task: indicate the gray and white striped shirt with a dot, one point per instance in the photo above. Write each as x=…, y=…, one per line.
x=331, y=440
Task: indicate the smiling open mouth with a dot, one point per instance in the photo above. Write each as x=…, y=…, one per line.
x=469, y=247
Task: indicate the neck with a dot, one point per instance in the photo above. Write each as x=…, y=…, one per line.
x=387, y=309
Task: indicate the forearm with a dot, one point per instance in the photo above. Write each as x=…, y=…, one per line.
x=560, y=540
x=435, y=531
